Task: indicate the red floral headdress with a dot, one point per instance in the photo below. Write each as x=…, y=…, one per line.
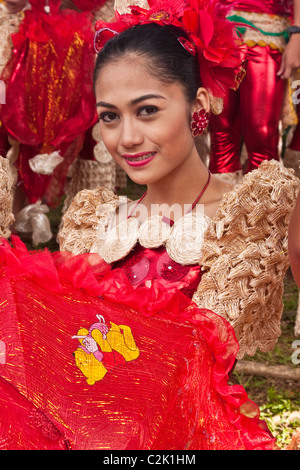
x=211, y=36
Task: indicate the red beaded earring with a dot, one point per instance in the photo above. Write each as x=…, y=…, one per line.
x=199, y=122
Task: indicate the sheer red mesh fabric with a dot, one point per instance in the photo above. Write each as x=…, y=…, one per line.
x=99, y=374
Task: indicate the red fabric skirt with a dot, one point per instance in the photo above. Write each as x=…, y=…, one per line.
x=94, y=363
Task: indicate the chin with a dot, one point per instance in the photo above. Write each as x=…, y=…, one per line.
x=139, y=180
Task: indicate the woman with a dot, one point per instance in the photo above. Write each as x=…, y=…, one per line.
x=115, y=355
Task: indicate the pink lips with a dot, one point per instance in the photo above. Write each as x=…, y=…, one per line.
x=133, y=160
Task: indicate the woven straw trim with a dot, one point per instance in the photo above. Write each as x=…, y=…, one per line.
x=185, y=242
x=122, y=238
x=83, y=219
x=102, y=155
x=268, y=23
x=121, y=177
x=122, y=5
x=245, y=256
x=106, y=12
x=252, y=37
x=6, y=198
x=153, y=232
x=9, y=24
x=90, y=174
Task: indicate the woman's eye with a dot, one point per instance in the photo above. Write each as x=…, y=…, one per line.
x=107, y=117
x=148, y=110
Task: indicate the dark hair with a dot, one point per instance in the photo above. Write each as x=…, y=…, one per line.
x=166, y=57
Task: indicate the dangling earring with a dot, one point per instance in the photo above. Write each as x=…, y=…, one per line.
x=199, y=122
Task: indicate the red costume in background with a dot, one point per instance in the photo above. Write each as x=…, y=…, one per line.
x=252, y=114
x=49, y=93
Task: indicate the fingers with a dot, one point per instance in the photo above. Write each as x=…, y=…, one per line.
x=281, y=71
x=285, y=71
x=290, y=58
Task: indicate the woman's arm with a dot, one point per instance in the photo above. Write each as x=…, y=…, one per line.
x=294, y=241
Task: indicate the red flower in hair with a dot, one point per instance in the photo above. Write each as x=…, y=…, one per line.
x=161, y=12
x=211, y=34
x=219, y=49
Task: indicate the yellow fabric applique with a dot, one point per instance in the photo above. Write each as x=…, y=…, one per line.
x=97, y=341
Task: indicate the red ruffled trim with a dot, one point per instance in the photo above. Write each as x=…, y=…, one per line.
x=89, y=273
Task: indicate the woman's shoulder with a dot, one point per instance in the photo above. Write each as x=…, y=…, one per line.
x=83, y=218
x=244, y=255
x=268, y=188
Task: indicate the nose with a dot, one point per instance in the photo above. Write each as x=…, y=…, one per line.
x=131, y=133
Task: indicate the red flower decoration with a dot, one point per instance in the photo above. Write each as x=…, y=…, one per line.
x=211, y=35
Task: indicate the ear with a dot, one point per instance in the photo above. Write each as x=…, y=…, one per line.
x=202, y=100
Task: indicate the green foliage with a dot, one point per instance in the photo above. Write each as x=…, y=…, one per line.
x=282, y=414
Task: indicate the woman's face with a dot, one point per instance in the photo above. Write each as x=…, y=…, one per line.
x=144, y=122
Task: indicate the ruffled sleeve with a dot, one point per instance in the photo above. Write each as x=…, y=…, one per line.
x=85, y=216
x=245, y=256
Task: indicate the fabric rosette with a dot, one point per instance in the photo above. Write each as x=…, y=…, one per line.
x=154, y=232
x=120, y=240
x=186, y=238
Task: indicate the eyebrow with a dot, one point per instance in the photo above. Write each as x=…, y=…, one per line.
x=132, y=102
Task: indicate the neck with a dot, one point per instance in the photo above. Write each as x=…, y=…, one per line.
x=179, y=188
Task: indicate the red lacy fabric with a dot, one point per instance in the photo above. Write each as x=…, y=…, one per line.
x=93, y=362
x=49, y=86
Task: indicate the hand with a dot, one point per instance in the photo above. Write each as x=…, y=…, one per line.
x=14, y=6
x=291, y=57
